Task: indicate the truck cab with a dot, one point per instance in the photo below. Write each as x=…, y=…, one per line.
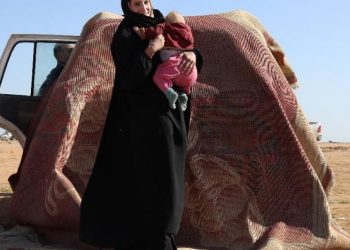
x=24, y=65
x=316, y=129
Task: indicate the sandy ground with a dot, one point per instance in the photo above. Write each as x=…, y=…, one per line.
x=338, y=157
x=337, y=154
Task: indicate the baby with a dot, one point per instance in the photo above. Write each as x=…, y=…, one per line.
x=178, y=38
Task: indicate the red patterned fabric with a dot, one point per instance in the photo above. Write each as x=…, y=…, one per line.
x=250, y=183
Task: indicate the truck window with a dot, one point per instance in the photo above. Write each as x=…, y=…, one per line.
x=44, y=63
x=29, y=65
x=18, y=73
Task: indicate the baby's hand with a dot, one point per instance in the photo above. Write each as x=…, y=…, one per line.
x=140, y=32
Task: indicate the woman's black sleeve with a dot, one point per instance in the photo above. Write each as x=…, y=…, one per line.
x=132, y=64
x=199, y=60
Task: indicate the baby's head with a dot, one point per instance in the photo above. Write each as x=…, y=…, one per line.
x=174, y=17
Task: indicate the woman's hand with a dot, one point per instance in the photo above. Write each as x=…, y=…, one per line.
x=188, y=61
x=140, y=31
x=155, y=45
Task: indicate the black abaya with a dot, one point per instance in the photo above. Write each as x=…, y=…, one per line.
x=136, y=189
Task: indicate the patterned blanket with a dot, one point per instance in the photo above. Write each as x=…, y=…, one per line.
x=255, y=177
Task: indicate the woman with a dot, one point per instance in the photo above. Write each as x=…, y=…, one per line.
x=135, y=195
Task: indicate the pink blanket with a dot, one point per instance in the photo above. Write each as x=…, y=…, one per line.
x=255, y=178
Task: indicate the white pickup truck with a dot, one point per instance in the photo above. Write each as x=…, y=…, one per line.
x=317, y=130
x=24, y=65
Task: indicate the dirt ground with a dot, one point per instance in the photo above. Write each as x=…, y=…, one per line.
x=337, y=154
x=338, y=157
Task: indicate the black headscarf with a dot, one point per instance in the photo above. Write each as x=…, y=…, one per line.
x=140, y=20
x=125, y=6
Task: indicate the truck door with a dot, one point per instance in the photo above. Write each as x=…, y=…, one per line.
x=26, y=62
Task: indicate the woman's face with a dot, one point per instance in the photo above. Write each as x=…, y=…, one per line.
x=143, y=7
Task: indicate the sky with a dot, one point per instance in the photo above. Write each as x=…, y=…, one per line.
x=314, y=34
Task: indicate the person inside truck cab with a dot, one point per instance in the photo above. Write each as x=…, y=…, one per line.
x=62, y=52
